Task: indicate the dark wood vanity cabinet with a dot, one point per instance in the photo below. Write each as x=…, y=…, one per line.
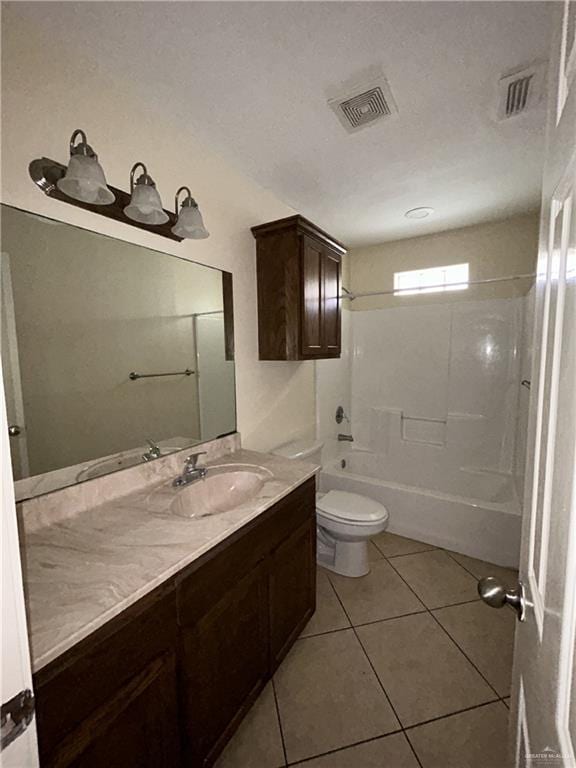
x=299, y=286
x=166, y=683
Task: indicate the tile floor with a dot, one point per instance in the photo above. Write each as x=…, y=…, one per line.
x=403, y=668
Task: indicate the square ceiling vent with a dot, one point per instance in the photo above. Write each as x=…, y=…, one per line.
x=364, y=106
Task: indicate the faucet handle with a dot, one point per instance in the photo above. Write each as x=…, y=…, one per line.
x=192, y=460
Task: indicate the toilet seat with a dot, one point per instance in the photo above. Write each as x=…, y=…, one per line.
x=342, y=506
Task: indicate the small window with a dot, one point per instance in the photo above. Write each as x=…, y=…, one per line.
x=454, y=277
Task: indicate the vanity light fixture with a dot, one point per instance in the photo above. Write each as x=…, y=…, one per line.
x=190, y=224
x=145, y=204
x=82, y=183
x=84, y=179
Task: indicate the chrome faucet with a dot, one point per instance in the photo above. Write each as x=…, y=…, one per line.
x=153, y=453
x=191, y=471
x=345, y=439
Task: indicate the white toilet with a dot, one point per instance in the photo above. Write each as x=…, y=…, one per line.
x=345, y=521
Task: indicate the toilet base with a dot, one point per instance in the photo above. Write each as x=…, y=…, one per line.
x=348, y=558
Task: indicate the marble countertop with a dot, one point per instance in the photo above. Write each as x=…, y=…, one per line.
x=82, y=571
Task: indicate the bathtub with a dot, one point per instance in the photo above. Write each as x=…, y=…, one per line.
x=467, y=510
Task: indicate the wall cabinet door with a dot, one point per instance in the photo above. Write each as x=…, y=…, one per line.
x=312, y=260
x=321, y=304
x=224, y=665
x=292, y=589
x=330, y=302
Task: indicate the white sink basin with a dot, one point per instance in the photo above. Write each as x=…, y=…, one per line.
x=222, y=489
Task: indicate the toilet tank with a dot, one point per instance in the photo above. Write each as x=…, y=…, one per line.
x=305, y=450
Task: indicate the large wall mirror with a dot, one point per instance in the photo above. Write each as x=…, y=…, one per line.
x=112, y=354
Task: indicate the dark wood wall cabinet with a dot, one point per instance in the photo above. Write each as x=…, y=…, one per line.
x=299, y=284
x=166, y=683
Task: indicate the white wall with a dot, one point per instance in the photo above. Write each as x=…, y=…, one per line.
x=49, y=91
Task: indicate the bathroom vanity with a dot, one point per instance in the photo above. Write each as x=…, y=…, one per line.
x=168, y=679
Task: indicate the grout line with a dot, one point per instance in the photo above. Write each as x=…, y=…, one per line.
x=449, y=635
x=451, y=714
x=348, y=746
x=409, y=554
x=462, y=566
x=279, y=720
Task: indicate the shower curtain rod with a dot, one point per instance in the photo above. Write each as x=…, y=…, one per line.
x=424, y=289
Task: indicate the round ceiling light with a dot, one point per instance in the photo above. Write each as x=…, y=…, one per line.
x=419, y=213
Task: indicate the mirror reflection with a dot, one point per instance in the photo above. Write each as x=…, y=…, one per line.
x=112, y=354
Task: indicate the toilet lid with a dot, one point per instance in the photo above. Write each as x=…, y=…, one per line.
x=342, y=505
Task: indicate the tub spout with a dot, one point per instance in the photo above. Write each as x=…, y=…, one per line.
x=345, y=439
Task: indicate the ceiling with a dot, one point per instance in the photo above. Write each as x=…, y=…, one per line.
x=253, y=79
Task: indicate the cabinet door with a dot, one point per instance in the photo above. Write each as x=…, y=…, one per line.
x=137, y=728
x=312, y=257
x=292, y=589
x=224, y=665
x=330, y=302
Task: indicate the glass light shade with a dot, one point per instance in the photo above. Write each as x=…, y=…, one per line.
x=146, y=206
x=190, y=224
x=85, y=181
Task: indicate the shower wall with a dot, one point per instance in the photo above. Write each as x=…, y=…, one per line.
x=440, y=380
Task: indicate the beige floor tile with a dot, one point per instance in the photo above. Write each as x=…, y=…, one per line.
x=389, y=752
x=486, y=636
x=475, y=739
x=421, y=669
x=257, y=743
x=329, y=696
x=391, y=545
x=436, y=578
x=380, y=595
x=329, y=613
x=479, y=569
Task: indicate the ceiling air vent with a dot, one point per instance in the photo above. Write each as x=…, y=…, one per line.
x=520, y=91
x=364, y=105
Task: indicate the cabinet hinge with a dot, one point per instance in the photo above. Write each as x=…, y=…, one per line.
x=15, y=716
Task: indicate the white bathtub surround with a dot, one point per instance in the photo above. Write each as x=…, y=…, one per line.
x=444, y=376
x=484, y=522
x=333, y=388
x=57, y=506
x=86, y=568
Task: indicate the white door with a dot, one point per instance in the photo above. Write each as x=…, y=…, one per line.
x=543, y=712
x=18, y=746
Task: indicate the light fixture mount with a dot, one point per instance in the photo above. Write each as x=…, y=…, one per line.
x=419, y=213
x=83, y=148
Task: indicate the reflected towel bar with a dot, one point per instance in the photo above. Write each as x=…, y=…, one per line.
x=133, y=376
